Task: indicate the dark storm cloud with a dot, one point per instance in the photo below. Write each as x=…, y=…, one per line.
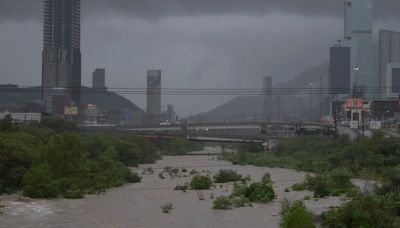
x=31, y=9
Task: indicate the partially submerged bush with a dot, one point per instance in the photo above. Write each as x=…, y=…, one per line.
x=200, y=182
x=266, y=178
x=148, y=171
x=182, y=188
x=167, y=208
x=241, y=202
x=133, y=177
x=296, y=215
x=227, y=175
x=223, y=202
x=260, y=192
x=335, y=183
x=193, y=172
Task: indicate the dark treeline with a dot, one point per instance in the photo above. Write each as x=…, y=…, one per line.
x=365, y=157
x=53, y=159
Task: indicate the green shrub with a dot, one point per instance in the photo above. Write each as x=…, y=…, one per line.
x=366, y=210
x=133, y=177
x=227, y=175
x=299, y=187
x=334, y=183
x=239, y=189
x=260, y=192
x=296, y=215
x=193, y=172
x=200, y=182
x=222, y=203
x=241, y=202
x=182, y=188
x=39, y=182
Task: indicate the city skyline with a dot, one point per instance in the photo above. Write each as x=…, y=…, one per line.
x=192, y=55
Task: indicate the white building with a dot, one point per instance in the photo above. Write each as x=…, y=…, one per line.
x=23, y=117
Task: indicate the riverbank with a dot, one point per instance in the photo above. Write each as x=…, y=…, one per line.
x=138, y=205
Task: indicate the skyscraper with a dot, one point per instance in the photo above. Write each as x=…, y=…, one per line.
x=61, y=56
x=99, y=79
x=358, y=24
x=389, y=53
x=154, y=93
x=339, y=70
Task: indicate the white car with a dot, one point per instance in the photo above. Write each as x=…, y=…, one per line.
x=165, y=124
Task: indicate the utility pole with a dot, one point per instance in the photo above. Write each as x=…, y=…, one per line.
x=320, y=96
x=311, y=101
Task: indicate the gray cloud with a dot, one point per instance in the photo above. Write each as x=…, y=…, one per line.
x=31, y=9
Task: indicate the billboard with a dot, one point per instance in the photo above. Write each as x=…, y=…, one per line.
x=339, y=70
x=354, y=103
x=375, y=125
x=71, y=110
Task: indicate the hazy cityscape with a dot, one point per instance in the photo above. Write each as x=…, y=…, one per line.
x=199, y=113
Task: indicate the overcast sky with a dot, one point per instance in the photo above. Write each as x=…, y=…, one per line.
x=196, y=43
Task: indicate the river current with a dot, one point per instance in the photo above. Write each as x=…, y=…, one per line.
x=139, y=205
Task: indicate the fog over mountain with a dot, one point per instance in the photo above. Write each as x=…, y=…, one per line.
x=197, y=44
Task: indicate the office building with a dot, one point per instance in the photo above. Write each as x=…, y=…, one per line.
x=61, y=56
x=154, y=94
x=389, y=56
x=339, y=70
x=267, y=97
x=393, y=80
x=99, y=79
x=358, y=24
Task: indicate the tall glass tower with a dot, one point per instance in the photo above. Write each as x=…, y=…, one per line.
x=61, y=56
x=358, y=26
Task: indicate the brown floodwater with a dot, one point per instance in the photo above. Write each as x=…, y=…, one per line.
x=139, y=205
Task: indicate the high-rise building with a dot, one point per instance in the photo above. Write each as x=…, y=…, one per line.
x=389, y=53
x=61, y=56
x=393, y=80
x=154, y=93
x=267, y=96
x=339, y=70
x=358, y=25
x=99, y=79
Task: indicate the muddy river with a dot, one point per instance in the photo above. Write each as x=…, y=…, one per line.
x=139, y=205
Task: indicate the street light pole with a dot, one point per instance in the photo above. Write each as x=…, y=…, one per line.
x=356, y=95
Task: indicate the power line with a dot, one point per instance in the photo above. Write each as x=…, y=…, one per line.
x=192, y=91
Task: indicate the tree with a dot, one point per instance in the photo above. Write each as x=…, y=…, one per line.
x=6, y=124
x=65, y=156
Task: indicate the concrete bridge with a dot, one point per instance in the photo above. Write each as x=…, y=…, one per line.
x=239, y=132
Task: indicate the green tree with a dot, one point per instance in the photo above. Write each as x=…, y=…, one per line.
x=65, y=156
x=6, y=124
